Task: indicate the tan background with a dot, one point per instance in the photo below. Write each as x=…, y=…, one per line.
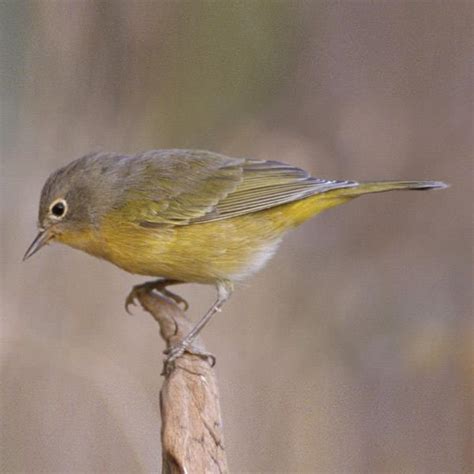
x=351, y=351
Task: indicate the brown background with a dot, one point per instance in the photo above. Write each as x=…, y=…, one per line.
x=351, y=351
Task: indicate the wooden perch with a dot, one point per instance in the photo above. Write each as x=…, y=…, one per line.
x=191, y=433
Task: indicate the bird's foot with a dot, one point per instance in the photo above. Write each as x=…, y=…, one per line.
x=158, y=286
x=177, y=350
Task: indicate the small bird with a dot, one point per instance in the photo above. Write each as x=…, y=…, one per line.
x=186, y=216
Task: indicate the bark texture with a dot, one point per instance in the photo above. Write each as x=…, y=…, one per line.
x=191, y=433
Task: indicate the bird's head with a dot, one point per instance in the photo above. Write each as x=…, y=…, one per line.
x=68, y=207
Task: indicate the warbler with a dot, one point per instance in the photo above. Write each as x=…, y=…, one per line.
x=187, y=216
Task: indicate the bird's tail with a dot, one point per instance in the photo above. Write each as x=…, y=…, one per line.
x=312, y=205
x=383, y=186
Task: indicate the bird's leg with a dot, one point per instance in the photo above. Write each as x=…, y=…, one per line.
x=224, y=290
x=159, y=286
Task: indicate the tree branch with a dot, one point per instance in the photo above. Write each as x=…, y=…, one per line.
x=191, y=432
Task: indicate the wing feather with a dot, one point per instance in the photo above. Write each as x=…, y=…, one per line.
x=267, y=184
x=179, y=187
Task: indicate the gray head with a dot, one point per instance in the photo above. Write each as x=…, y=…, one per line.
x=76, y=196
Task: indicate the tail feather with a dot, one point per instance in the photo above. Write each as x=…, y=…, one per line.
x=304, y=209
x=383, y=186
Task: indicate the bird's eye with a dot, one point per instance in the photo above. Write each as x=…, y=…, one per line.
x=58, y=208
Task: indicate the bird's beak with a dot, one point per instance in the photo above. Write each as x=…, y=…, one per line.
x=41, y=240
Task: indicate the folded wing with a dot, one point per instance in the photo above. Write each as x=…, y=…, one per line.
x=180, y=187
x=267, y=184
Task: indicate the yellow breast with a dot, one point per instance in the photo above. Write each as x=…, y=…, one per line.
x=226, y=249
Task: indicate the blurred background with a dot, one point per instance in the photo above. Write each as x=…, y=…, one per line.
x=352, y=350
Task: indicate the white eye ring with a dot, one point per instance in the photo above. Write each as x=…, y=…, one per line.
x=58, y=209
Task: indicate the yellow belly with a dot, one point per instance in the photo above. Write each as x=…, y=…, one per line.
x=229, y=249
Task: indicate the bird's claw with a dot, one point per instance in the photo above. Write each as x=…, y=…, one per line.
x=177, y=350
x=176, y=298
x=160, y=287
x=130, y=299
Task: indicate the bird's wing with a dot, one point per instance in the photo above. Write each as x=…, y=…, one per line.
x=180, y=187
x=176, y=186
x=267, y=184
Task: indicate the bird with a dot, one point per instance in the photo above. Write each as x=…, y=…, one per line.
x=187, y=216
